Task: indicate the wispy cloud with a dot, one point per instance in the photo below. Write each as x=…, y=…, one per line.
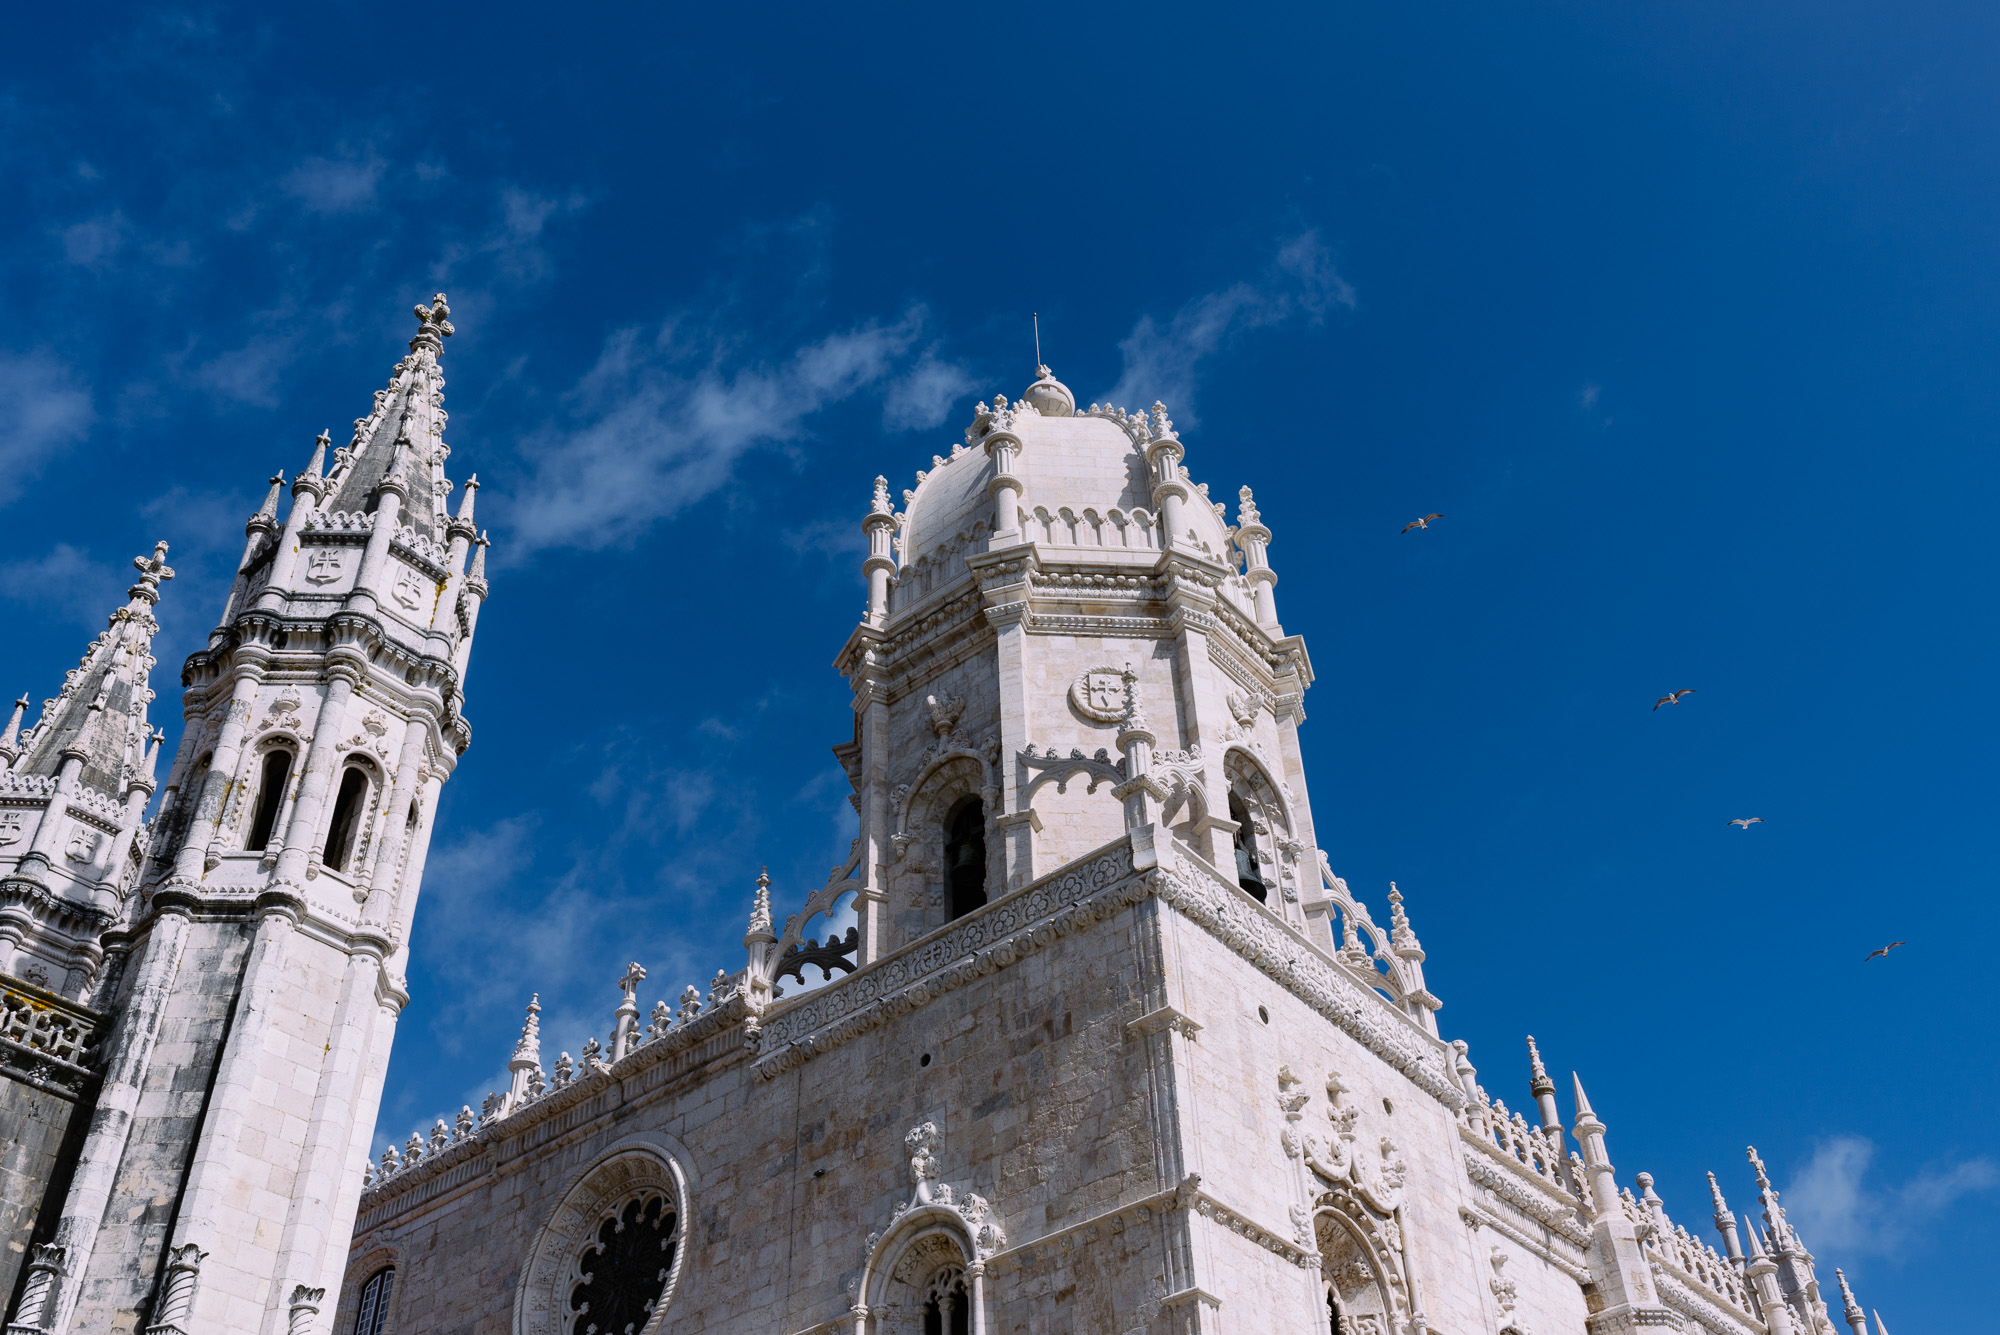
x=921, y=398
x=65, y=579
x=513, y=244
x=335, y=185
x=1834, y=1205
x=659, y=422
x=1164, y=361
x=44, y=409
x=93, y=242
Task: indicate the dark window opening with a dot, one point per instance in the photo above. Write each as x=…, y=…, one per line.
x=270, y=796
x=1334, y=1324
x=965, y=856
x=1247, y=873
x=346, y=819
x=626, y=1272
x=374, y=1312
x=949, y=1313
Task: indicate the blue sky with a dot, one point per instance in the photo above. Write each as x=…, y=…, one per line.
x=1683, y=315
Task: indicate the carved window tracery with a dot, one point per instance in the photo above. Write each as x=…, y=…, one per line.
x=621, y=1278
x=947, y=1304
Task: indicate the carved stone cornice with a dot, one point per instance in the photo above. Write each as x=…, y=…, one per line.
x=1691, y=1299
x=1526, y=1194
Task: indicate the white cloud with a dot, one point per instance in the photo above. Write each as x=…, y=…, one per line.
x=1834, y=1206
x=95, y=240
x=658, y=424
x=514, y=242
x=65, y=579
x=335, y=185
x=43, y=410
x=1163, y=362
x=922, y=397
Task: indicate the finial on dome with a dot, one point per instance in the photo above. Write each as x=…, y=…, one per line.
x=434, y=326
x=1050, y=396
x=880, y=504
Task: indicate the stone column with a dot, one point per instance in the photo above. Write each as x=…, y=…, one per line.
x=976, y=1272
x=878, y=818
x=126, y=1060
x=1007, y=607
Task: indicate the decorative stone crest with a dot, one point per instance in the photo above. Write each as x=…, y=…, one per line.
x=325, y=566
x=408, y=589
x=83, y=847
x=10, y=827
x=1099, y=694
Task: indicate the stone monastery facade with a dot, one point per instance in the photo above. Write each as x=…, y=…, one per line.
x=1108, y=1048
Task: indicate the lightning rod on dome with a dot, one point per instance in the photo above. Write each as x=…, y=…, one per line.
x=1036, y=316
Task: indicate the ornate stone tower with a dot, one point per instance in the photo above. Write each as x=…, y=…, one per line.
x=1115, y=663
x=256, y=977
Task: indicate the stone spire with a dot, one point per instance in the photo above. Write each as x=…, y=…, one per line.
x=879, y=529
x=1543, y=1091
x=1725, y=1223
x=10, y=738
x=1618, y=1267
x=63, y=880
x=1253, y=539
x=1857, y=1320
x=1762, y=1273
x=526, y=1063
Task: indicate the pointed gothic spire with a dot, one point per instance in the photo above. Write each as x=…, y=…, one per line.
x=1850, y=1311
x=477, y=574
x=1583, y=1112
x=267, y=513
x=1756, y=1243
x=760, y=911
x=464, y=515
x=1400, y=935
x=10, y=740
x=530, y=1045
x=1880, y=1329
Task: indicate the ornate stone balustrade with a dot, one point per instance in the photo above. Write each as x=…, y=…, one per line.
x=46, y=1040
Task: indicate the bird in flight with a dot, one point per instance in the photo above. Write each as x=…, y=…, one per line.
x=1747, y=821
x=1425, y=522
x=1673, y=699
x=1877, y=954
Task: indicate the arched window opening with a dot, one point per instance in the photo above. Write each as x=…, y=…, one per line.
x=1335, y=1323
x=346, y=818
x=374, y=1313
x=947, y=1306
x=624, y=1274
x=965, y=856
x=1248, y=874
x=270, y=796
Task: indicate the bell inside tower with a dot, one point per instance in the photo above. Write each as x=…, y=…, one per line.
x=965, y=856
x=1248, y=874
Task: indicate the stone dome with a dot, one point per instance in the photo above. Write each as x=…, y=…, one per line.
x=1085, y=485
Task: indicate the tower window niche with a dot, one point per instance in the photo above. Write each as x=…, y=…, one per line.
x=270, y=796
x=965, y=856
x=1248, y=874
x=346, y=818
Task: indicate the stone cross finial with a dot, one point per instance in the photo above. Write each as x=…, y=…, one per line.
x=153, y=572
x=629, y=984
x=435, y=325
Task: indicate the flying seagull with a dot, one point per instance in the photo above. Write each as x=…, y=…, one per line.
x=1672, y=699
x=1747, y=821
x=1877, y=954
x=1425, y=522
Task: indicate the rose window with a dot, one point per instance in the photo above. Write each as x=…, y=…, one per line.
x=620, y=1278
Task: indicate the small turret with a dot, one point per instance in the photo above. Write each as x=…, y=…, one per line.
x=1543, y=1090
x=879, y=528
x=1725, y=1223
x=10, y=739
x=1857, y=1320
x=1253, y=539
x=526, y=1063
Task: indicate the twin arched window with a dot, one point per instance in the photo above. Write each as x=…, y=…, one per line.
x=374, y=1309
x=947, y=1306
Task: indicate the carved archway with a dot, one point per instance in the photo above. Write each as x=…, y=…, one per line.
x=635, y=1196
x=924, y=1256
x=921, y=899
